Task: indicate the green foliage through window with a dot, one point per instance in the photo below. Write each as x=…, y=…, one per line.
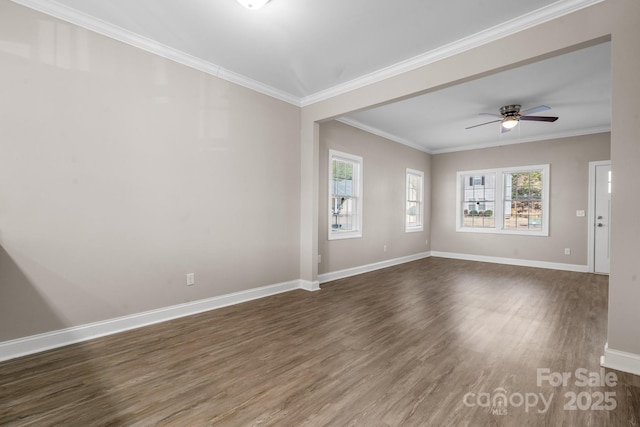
x=523, y=204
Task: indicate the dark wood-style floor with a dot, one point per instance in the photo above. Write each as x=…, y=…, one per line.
x=404, y=346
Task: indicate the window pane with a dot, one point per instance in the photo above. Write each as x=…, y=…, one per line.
x=523, y=201
x=413, y=204
x=345, y=198
x=479, y=215
x=342, y=179
x=413, y=187
x=478, y=201
x=413, y=214
x=343, y=213
x=413, y=194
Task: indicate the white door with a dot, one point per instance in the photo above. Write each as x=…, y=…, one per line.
x=602, y=221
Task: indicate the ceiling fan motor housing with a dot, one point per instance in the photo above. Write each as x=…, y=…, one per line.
x=510, y=110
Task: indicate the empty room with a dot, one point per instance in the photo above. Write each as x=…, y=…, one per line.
x=332, y=213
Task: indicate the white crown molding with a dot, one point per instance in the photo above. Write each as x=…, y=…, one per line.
x=553, y=11
x=375, y=131
x=348, y=272
x=262, y=88
x=500, y=143
x=54, y=339
x=512, y=261
x=531, y=19
x=547, y=13
x=65, y=13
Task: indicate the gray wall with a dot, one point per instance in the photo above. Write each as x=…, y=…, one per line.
x=569, y=159
x=122, y=171
x=624, y=286
x=384, y=168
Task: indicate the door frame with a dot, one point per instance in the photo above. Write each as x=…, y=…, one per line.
x=591, y=235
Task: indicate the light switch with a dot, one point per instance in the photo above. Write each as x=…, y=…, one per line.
x=579, y=213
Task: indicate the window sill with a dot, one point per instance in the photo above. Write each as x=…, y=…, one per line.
x=541, y=233
x=342, y=236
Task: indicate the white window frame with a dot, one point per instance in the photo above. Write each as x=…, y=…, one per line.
x=358, y=193
x=500, y=200
x=420, y=227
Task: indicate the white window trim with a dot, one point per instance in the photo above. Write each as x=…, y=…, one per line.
x=500, y=200
x=414, y=228
x=335, y=154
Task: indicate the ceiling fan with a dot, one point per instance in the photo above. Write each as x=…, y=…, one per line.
x=510, y=116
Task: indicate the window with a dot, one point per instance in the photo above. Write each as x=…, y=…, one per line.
x=523, y=200
x=478, y=200
x=345, y=195
x=414, y=209
x=507, y=200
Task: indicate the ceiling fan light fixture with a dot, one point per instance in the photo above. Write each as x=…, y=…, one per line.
x=253, y=4
x=510, y=122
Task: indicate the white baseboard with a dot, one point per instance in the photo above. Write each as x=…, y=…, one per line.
x=310, y=286
x=348, y=272
x=49, y=340
x=513, y=261
x=620, y=360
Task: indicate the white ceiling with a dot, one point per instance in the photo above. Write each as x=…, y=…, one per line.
x=576, y=85
x=303, y=51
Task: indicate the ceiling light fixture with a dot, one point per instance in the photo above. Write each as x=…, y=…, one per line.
x=510, y=122
x=253, y=4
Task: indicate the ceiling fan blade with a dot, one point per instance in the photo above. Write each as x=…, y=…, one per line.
x=482, y=124
x=534, y=110
x=539, y=118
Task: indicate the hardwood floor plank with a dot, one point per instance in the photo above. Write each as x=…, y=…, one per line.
x=403, y=346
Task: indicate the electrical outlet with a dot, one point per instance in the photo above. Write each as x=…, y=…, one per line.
x=191, y=279
x=319, y=258
x=567, y=251
x=580, y=213
x=384, y=248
